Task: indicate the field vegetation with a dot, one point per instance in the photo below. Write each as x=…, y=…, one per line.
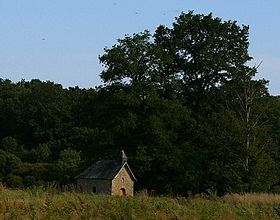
x=50, y=203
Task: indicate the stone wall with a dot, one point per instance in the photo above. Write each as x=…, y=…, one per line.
x=123, y=183
x=88, y=185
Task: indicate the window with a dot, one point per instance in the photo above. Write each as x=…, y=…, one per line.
x=122, y=180
x=94, y=189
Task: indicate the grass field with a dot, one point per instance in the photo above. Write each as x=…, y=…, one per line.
x=39, y=203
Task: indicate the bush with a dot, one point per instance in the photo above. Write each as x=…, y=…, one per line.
x=14, y=181
x=29, y=181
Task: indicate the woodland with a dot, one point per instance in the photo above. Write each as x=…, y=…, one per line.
x=181, y=101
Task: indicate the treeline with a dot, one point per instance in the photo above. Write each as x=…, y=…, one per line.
x=182, y=103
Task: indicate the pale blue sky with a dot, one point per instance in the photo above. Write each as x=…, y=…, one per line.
x=60, y=40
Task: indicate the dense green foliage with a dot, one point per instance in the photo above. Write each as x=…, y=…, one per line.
x=182, y=103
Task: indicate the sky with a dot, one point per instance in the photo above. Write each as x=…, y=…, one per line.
x=60, y=40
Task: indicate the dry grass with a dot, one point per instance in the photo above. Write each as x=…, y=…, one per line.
x=253, y=198
x=49, y=203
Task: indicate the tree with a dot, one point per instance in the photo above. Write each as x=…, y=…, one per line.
x=11, y=97
x=46, y=108
x=189, y=65
x=248, y=93
x=9, y=163
x=204, y=52
x=67, y=165
x=42, y=153
x=9, y=144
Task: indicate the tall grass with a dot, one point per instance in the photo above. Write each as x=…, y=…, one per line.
x=253, y=198
x=50, y=203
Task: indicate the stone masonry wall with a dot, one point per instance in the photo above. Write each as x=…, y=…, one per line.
x=87, y=185
x=123, y=181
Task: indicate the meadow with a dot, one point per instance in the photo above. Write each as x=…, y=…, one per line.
x=42, y=203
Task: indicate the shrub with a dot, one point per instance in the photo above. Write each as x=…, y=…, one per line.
x=14, y=181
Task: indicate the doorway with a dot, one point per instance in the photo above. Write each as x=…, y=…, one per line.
x=122, y=192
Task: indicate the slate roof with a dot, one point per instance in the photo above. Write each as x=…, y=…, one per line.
x=104, y=169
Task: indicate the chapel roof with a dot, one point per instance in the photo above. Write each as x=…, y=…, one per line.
x=106, y=169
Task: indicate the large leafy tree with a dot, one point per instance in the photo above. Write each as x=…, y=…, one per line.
x=200, y=63
x=203, y=52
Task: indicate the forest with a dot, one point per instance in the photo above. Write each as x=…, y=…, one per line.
x=181, y=101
